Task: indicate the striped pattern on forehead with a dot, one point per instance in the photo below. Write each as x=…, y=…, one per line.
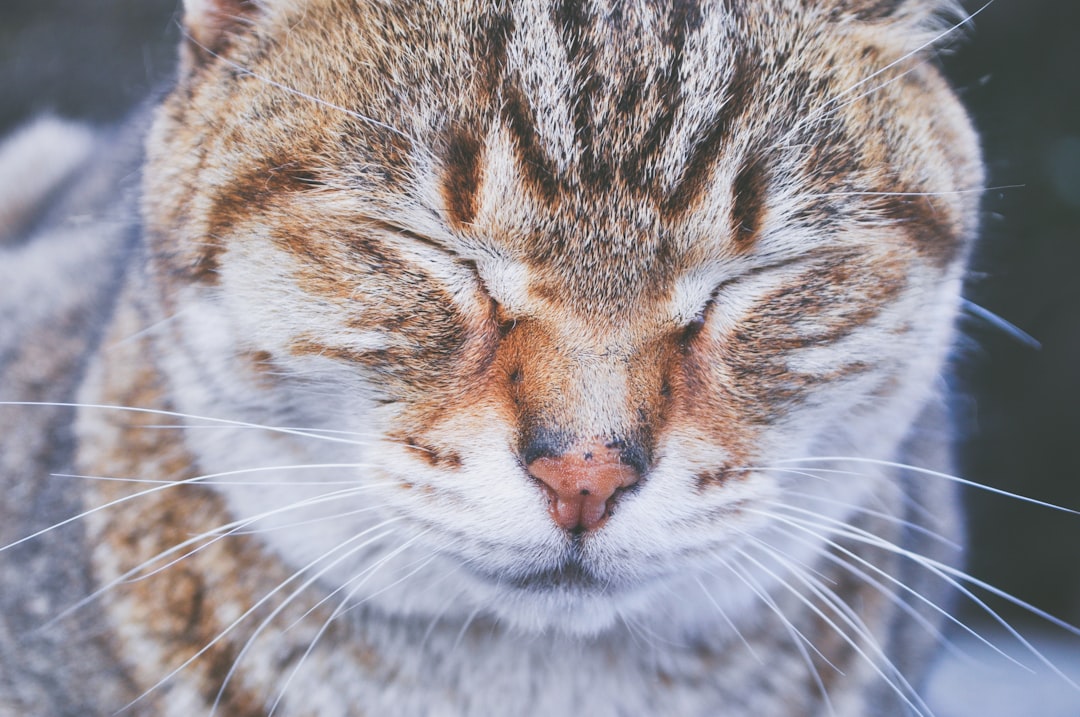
x=597, y=143
x=613, y=125
x=631, y=102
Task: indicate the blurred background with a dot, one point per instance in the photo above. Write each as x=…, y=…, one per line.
x=1019, y=408
x=1018, y=70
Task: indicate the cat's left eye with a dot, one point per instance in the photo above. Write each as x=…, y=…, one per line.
x=692, y=328
x=503, y=319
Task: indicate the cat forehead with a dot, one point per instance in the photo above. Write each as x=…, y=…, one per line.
x=602, y=147
x=608, y=149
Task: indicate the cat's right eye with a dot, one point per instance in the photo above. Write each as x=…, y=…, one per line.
x=695, y=326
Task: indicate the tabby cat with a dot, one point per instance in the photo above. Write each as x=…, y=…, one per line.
x=515, y=357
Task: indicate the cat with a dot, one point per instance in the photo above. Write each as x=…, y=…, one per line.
x=487, y=358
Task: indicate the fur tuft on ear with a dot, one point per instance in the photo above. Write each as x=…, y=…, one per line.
x=908, y=26
x=876, y=10
x=211, y=23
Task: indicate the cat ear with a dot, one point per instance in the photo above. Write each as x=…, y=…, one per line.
x=908, y=25
x=872, y=10
x=210, y=24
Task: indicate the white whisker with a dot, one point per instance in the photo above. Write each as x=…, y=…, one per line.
x=374, y=437
x=255, y=606
x=287, y=601
x=888, y=517
x=464, y=628
x=934, y=41
x=221, y=531
x=954, y=192
x=175, y=414
x=361, y=578
x=343, y=606
x=439, y=615
x=727, y=619
x=1009, y=328
x=956, y=578
x=148, y=330
x=158, y=487
x=262, y=484
x=801, y=641
x=314, y=521
x=898, y=683
x=928, y=472
x=894, y=598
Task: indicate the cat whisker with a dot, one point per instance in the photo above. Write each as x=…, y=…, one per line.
x=439, y=615
x=936, y=40
x=375, y=437
x=643, y=634
x=932, y=473
x=249, y=643
x=819, y=538
x=361, y=578
x=956, y=578
x=631, y=630
x=830, y=109
x=154, y=481
x=806, y=473
x=314, y=521
x=464, y=629
x=157, y=488
x=235, y=623
x=214, y=535
x=1008, y=328
x=798, y=639
x=833, y=105
x=897, y=683
x=129, y=575
x=954, y=192
x=821, y=474
x=896, y=520
x=344, y=606
x=156, y=326
x=175, y=414
x=724, y=615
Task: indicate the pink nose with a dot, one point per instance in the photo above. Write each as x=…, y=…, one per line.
x=581, y=483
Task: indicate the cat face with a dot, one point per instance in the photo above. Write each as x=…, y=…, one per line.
x=569, y=284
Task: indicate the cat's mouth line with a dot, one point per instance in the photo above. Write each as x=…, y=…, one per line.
x=573, y=572
x=570, y=574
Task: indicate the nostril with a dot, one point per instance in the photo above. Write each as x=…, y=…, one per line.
x=582, y=482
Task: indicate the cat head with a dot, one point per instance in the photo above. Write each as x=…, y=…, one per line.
x=579, y=277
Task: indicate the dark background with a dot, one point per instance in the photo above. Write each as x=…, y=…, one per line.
x=1019, y=408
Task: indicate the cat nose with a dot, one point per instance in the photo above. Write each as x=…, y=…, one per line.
x=582, y=482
